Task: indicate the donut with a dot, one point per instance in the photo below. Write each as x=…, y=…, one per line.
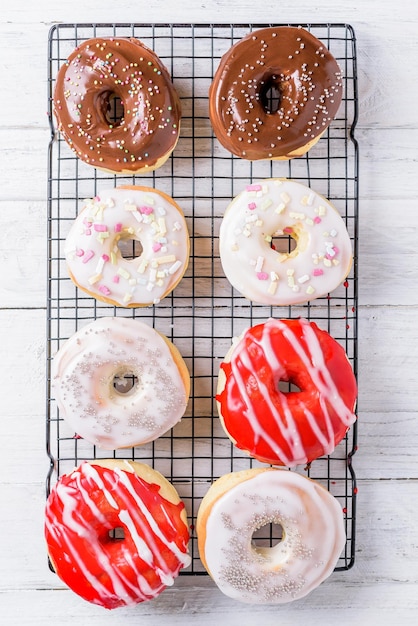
x=239, y=504
x=86, y=510
x=119, y=383
x=286, y=62
x=120, y=217
x=297, y=425
x=99, y=73
x=279, y=207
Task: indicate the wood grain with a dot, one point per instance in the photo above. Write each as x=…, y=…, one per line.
x=381, y=588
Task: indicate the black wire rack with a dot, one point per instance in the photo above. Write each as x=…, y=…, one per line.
x=204, y=312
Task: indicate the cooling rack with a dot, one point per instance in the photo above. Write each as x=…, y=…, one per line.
x=203, y=313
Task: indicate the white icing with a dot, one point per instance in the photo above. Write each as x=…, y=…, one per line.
x=83, y=373
x=280, y=207
x=96, y=263
x=313, y=538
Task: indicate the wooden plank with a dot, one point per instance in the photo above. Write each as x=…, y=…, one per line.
x=391, y=602
x=381, y=588
x=23, y=251
x=382, y=555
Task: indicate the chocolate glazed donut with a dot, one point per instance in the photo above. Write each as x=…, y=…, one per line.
x=274, y=94
x=100, y=72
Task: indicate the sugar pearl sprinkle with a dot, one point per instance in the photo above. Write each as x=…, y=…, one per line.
x=273, y=212
x=313, y=537
x=99, y=355
x=303, y=72
x=100, y=70
x=122, y=215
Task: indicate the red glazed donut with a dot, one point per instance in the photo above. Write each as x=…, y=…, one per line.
x=306, y=78
x=286, y=428
x=99, y=497
x=100, y=70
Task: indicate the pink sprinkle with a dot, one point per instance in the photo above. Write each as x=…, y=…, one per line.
x=80, y=252
x=156, y=247
x=317, y=220
x=100, y=228
x=89, y=255
x=105, y=257
x=253, y=188
x=288, y=230
x=329, y=256
x=318, y=272
x=116, y=278
x=146, y=210
x=252, y=206
x=262, y=275
x=105, y=290
x=87, y=231
x=336, y=250
x=96, y=198
x=118, y=227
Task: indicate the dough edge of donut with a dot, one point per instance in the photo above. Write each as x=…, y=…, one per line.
x=141, y=171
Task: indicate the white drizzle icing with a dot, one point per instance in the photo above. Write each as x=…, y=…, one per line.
x=83, y=372
x=313, y=537
x=72, y=523
x=278, y=207
x=96, y=262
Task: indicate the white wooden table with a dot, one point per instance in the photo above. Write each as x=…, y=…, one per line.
x=382, y=586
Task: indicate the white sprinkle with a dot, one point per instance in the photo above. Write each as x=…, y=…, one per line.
x=259, y=264
x=173, y=269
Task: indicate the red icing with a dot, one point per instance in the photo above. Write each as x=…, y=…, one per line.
x=81, y=511
x=278, y=440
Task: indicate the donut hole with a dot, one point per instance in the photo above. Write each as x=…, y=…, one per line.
x=130, y=248
x=288, y=387
x=270, y=95
x=267, y=538
x=117, y=534
x=113, y=109
x=125, y=383
x=285, y=244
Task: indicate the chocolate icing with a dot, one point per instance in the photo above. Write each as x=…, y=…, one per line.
x=99, y=70
x=306, y=77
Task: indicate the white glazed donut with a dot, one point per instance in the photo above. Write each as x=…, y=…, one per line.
x=240, y=503
x=95, y=262
x=90, y=363
x=280, y=207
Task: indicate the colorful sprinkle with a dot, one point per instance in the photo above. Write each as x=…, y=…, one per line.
x=262, y=275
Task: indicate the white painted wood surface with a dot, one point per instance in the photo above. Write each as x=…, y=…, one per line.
x=382, y=586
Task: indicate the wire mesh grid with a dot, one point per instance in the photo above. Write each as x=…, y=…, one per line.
x=203, y=314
